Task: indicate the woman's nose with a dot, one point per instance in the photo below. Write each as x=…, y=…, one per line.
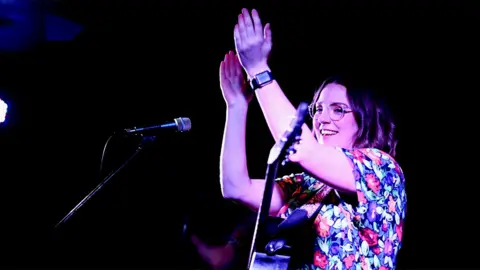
x=323, y=118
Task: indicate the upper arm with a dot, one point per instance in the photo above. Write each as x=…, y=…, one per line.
x=297, y=187
x=253, y=196
x=326, y=163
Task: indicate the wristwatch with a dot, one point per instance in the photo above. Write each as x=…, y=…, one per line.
x=261, y=79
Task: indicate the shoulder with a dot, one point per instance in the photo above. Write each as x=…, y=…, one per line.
x=377, y=175
x=373, y=160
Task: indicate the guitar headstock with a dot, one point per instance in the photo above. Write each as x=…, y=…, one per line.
x=286, y=145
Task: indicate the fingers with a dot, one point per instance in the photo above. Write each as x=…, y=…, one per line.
x=222, y=70
x=292, y=154
x=225, y=68
x=257, y=23
x=231, y=63
x=247, y=20
x=230, y=66
x=242, y=28
x=238, y=66
x=267, y=34
x=248, y=26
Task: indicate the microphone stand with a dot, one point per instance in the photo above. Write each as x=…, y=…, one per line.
x=146, y=140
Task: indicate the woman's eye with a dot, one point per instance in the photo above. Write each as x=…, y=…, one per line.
x=338, y=110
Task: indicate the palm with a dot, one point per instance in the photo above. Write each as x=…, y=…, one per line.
x=249, y=56
x=253, y=42
x=232, y=81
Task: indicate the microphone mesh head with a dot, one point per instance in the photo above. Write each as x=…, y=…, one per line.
x=183, y=124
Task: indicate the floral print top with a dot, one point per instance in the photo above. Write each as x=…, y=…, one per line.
x=366, y=234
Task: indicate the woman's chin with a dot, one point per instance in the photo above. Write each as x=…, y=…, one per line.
x=325, y=140
x=328, y=141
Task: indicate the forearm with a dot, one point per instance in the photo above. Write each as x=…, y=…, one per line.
x=277, y=109
x=235, y=181
x=233, y=162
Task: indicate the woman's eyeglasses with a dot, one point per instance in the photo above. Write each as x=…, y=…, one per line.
x=335, y=112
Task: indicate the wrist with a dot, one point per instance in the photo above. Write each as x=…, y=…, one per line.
x=251, y=72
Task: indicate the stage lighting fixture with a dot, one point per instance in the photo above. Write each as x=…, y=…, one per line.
x=3, y=111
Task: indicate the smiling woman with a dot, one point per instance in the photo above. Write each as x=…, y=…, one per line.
x=22, y=25
x=351, y=190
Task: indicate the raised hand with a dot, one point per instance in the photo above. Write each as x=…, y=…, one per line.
x=253, y=43
x=232, y=81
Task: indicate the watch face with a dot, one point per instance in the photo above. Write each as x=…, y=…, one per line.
x=263, y=77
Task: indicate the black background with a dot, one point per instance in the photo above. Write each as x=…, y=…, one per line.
x=145, y=62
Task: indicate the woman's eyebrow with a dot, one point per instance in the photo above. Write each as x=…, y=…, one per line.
x=334, y=103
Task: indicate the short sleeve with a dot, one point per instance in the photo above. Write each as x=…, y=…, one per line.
x=380, y=185
x=290, y=183
x=298, y=186
x=300, y=189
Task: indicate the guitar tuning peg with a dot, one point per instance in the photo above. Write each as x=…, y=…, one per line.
x=291, y=150
x=285, y=160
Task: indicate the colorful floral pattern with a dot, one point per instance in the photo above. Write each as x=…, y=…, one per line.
x=367, y=235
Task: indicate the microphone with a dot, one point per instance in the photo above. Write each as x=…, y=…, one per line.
x=180, y=124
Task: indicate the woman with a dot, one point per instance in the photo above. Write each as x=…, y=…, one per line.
x=350, y=171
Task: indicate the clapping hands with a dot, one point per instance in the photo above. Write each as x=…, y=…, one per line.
x=253, y=44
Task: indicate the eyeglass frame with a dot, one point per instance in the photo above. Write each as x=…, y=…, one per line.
x=312, y=111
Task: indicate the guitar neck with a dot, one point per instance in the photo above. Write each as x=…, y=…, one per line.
x=275, y=158
x=264, y=209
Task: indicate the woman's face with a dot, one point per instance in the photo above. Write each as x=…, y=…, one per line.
x=333, y=122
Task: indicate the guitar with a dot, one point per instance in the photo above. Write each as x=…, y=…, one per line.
x=264, y=258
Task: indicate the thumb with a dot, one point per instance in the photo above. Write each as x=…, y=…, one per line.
x=267, y=33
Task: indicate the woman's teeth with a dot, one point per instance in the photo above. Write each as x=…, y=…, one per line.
x=328, y=132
